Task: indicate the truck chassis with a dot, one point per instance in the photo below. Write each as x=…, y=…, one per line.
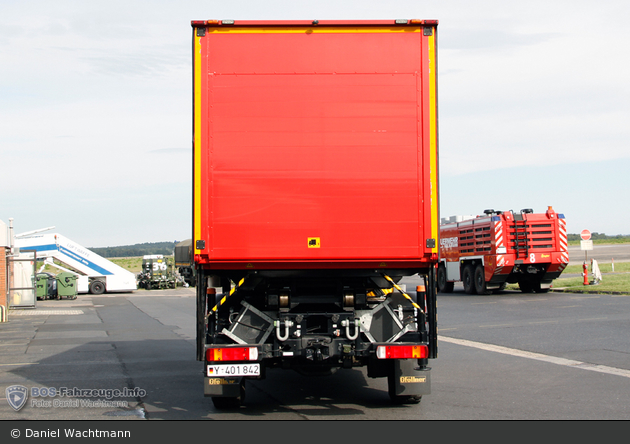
x=316, y=323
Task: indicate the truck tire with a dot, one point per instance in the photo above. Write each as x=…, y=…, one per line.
x=480, y=280
x=468, y=279
x=405, y=399
x=226, y=402
x=97, y=287
x=443, y=285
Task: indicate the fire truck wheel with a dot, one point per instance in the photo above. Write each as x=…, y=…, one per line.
x=480, y=280
x=443, y=285
x=468, y=279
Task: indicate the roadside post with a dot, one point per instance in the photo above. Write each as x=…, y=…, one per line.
x=586, y=244
x=585, y=273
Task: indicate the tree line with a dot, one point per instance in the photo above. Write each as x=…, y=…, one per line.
x=164, y=248
x=167, y=248
x=601, y=236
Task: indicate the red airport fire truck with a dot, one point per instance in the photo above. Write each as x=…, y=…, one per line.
x=502, y=247
x=306, y=135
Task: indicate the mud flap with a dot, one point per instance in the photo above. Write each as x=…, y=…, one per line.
x=228, y=387
x=409, y=379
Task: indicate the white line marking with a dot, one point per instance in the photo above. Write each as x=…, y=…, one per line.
x=539, y=357
x=21, y=363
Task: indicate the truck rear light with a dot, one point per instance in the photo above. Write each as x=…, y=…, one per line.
x=402, y=352
x=232, y=354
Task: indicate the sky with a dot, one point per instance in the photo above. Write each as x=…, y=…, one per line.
x=96, y=109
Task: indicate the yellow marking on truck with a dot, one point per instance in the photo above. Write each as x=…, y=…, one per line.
x=433, y=137
x=403, y=293
x=225, y=298
x=197, y=141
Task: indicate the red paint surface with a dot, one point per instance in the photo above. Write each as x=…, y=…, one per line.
x=314, y=135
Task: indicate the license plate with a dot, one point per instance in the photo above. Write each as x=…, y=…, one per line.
x=233, y=370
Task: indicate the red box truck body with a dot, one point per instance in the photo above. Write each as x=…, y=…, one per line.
x=315, y=182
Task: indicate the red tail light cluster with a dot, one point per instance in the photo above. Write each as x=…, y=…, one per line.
x=402, y=352
x=232, y=354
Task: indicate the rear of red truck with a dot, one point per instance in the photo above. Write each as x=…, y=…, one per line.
x=315, y=191
x=488, y=252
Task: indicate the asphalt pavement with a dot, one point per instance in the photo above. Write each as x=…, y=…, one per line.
x=509, y=356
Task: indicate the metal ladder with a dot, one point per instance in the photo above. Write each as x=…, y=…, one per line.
x=521, y=241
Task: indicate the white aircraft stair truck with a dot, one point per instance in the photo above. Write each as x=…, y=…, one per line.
x=96, y=275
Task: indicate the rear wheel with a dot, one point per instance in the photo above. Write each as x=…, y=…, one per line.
x=480, y=280
x=226, y=402
x=443, y=285
x=468, y=279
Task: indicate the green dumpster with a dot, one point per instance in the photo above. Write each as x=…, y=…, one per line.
x=67, y=285
x=45, y=286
